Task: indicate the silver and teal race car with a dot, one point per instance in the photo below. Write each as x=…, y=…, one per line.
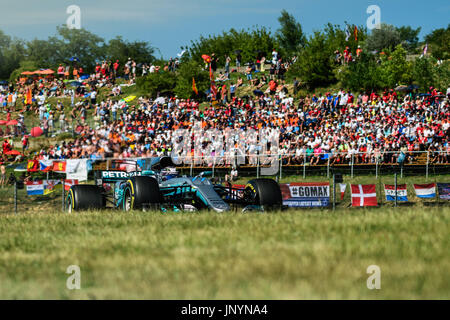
x=161, y=188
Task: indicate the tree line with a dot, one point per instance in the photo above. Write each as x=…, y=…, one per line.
x=389, y=56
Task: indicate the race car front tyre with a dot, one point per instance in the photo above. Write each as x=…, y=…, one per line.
x=84, y=197
x=263, y=192
x=141, y=191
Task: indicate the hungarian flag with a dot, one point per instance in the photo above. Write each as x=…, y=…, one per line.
x=356, y=33
x=194, y=87
x=68, y=183
x=364, y=195
x=342, y=187
x=59, y=166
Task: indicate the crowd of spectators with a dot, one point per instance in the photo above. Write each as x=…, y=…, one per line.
x=339, y=127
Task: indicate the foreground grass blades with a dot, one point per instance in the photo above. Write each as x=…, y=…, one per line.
x=303, y=254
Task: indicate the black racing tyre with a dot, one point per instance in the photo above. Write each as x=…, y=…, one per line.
x=85, y=196
x=139, y=191
x=264, y=192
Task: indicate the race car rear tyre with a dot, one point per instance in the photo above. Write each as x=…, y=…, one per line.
x=141, y=191
x=263, y=192
x=83, y=197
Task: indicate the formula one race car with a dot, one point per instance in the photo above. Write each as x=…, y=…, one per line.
x=162, y=188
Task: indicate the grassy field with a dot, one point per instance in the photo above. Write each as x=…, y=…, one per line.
x=295, y=254
x=305, y=254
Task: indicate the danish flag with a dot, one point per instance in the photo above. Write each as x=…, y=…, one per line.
x=364, y=195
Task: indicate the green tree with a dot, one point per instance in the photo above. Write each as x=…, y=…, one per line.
x=80, y=43
x=187, y=71
x=12, y=51
x=160, y=83
x=424, y=72
x=314, y=65
x=250, y=42
x=439, y=43
x=139, y=51
x=409, y=37
x=396, y=70
x=290, y=34
x=360, y=76
x=387, y=37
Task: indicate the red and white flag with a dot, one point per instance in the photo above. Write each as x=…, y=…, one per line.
x=68, y=183
x=342, y=187
x=364, y=195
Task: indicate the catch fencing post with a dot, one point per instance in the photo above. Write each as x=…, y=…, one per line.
x=63, y=207
x=304, y=165
x=376, y=167
x=15, y=197
x=428, y=158
x=213, y=165
x=334, y=192
x=281, y=165
x=395, y=188
x=328, y=167
x=192, y=166
x=351, y=169
x=257, y=164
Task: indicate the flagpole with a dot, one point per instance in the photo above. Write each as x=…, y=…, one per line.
x=395, y=189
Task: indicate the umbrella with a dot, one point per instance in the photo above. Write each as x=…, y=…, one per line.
x=27, y=73
x=237, y=51
x=3, y=122
x=36, y=132
x=12, y=123
x=206, y=58
x=401, y=88
x=12, y=153
x=44, y=71
x=3, y=82
x=129, y=98
x=258, y=93
x=74, y=59
x=76, y=84
x=21, y=168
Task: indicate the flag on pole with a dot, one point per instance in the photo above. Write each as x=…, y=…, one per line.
x=356, y=33
x=51, y=185
x=68, y=183
x=59, y=166
x=347, y=33
x=28, y=98
x=444, y=191
x=364, y=195
x=33, y=165
x=425, y=191
x=35, y=188
x=342, y=187
x=389, y=191
x=213, y=90
x=194, y=86
x=45, y=165
x=425, y=49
